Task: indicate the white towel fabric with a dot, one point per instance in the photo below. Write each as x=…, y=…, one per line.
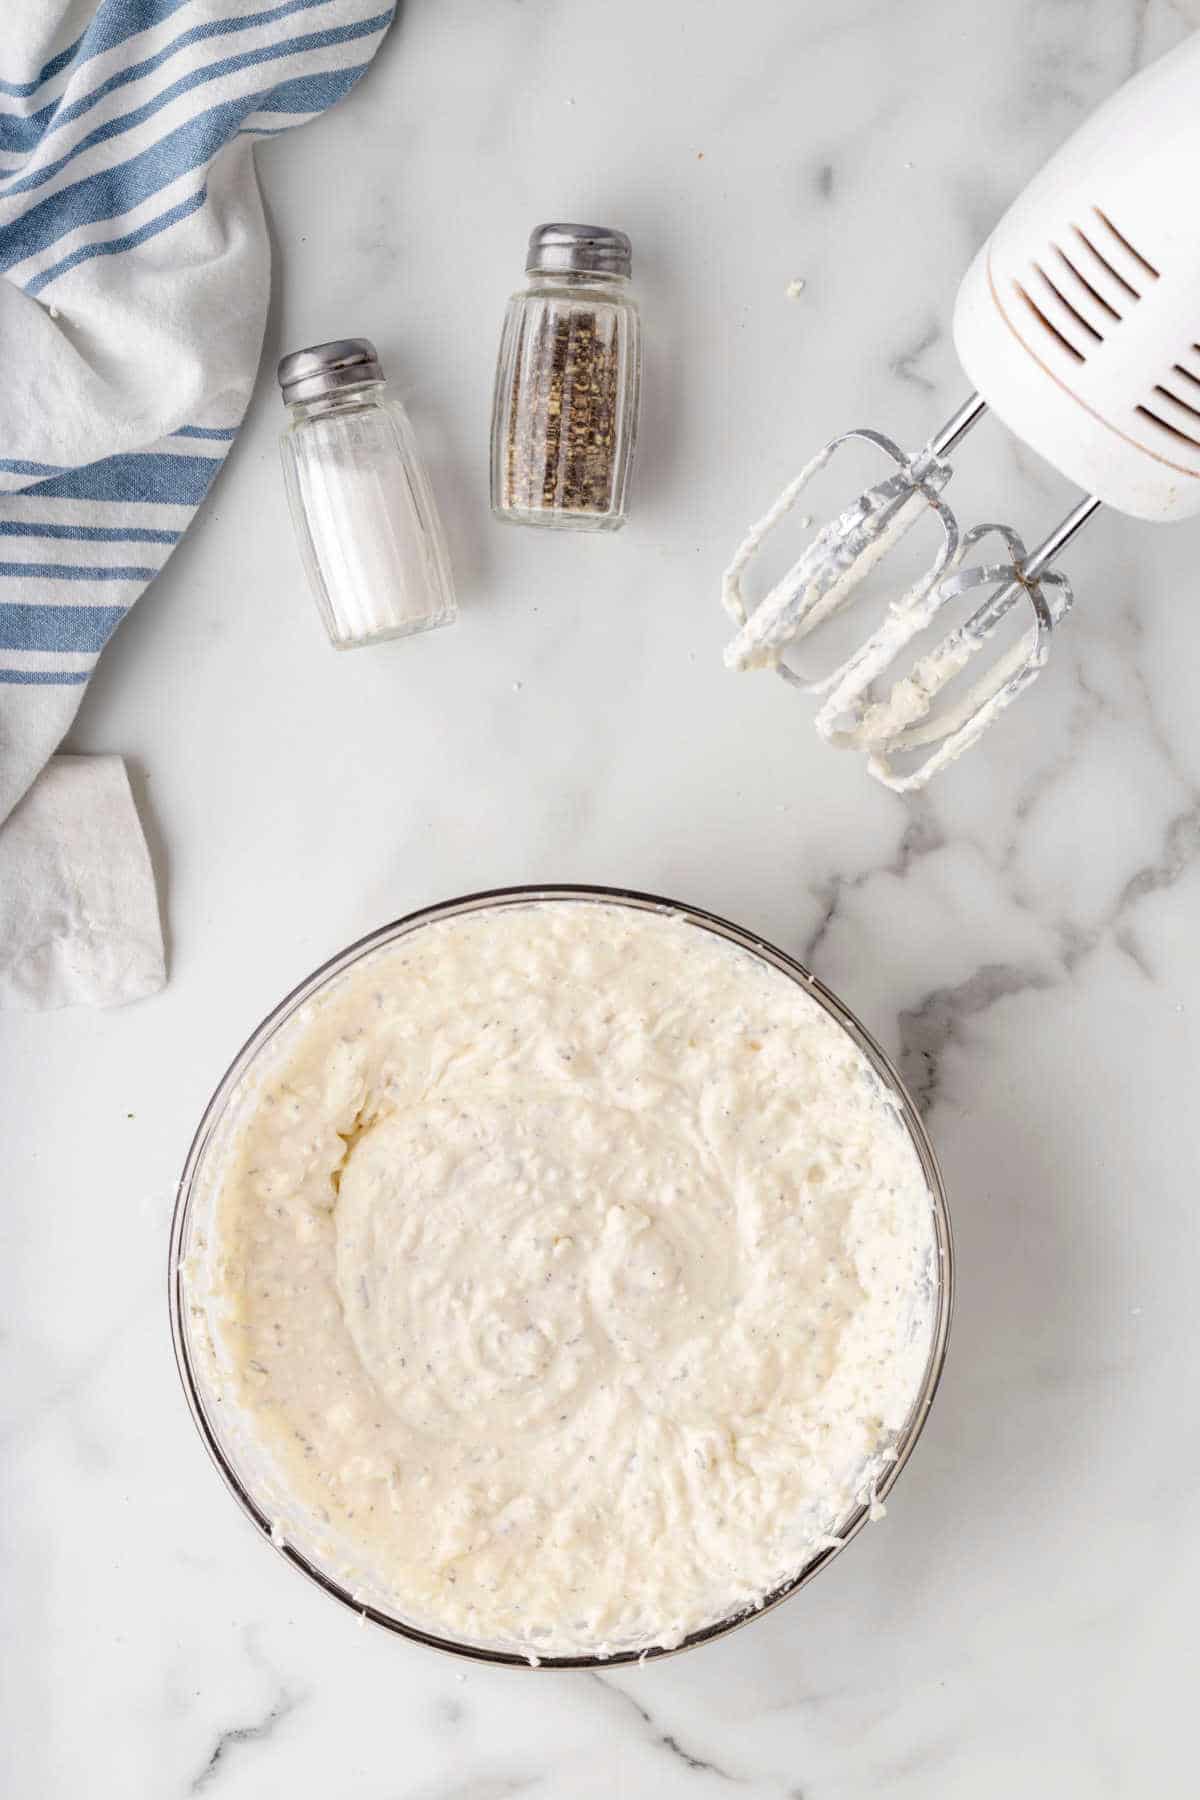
x=136, y=265
x=78, y=911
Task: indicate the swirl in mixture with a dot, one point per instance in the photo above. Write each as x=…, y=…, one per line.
x=578, y=1273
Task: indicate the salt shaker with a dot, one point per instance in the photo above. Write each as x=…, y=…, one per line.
x=364, y=513
x=564, y=416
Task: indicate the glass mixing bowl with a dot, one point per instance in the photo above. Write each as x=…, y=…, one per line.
x=241, y=1460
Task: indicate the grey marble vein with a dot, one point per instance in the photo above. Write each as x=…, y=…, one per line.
x=919, y=1762
x=904, y=364
x=1180, y=849
x=449, y=1711
x=1025, y=931
x=281, y=1708
x=939, y=1020
x=922, y=835
x=665, y=1739
x=1179, y=843
x=1178, y=852
x=1137, y=45
x=475, y=1787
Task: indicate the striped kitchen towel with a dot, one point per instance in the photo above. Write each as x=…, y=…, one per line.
x=136, y=259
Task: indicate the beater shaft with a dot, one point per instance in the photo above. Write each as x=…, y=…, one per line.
x=958, y=425
x=1046, y=552
x=829, y=572
x=953, y=732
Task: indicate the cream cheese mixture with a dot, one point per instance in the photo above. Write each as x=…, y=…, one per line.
x=576, y=1271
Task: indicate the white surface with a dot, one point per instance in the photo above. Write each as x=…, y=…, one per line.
x=1024, y=937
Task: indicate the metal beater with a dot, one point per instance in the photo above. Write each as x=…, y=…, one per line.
x=1079, y=324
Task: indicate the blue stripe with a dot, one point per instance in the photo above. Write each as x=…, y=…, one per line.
x=314, y=40
x=99, y=203
x=86, y=628
x=111, y=192
x=310, y=93
x=76, y=572
x=19, y=89
x=88, y=534
x=140, y=476
x=114, y=246
x=114, y=23
x=20, y=135
x=24, y=133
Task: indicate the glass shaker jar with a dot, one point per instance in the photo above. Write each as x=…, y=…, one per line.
x=364, y=513
x=565, y=412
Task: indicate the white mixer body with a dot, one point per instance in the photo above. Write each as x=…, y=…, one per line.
x=1079, y=320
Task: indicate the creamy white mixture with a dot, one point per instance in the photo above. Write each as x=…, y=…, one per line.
x=577, y=1273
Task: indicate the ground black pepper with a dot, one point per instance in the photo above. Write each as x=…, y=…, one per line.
x=566, y=401
x=562, y=412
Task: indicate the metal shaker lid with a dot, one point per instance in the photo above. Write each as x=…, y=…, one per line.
x=578, y=249
x=324, y=368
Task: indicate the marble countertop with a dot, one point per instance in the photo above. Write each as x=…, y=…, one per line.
x=1022, y=938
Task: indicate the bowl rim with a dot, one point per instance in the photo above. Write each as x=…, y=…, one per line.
x=525, y=894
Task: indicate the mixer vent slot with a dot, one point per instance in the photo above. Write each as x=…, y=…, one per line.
x=1103, y=262
x=1083, y=286
x=1047, y=325
x=1169, y=394
x=1143, y=261
x=1087, y=287
x=1174, y=431
x=1067, y=307
x=1175, y=403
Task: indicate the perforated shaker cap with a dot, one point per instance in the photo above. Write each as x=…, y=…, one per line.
x=324, y=368
x=578, y=250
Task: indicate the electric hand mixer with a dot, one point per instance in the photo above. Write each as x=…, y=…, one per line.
x=1079, y=325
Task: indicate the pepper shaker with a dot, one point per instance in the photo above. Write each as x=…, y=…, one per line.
x=364, y=513
x=564, y=417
